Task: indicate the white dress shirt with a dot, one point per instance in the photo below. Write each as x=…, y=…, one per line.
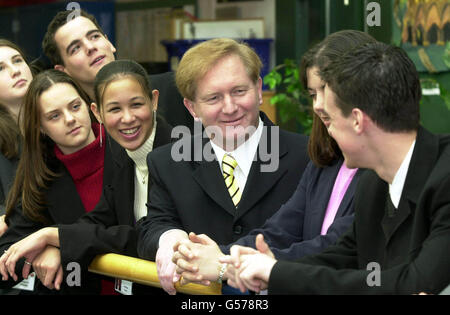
x=396, y=188
x=244, y=156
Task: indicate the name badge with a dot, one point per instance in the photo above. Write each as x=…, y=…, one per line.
x=26, y=284
x=124, y=287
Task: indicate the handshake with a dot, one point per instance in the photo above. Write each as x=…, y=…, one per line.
x=198, y=259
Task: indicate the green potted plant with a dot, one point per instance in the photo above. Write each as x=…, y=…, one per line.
x=291, y=99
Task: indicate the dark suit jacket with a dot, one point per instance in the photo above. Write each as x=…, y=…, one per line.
x=171, y=105
x=294, y=230
x=7, y=171
x=110, y=227
x=411, y=248
x=192, y=196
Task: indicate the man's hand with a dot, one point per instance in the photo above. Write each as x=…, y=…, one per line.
x=249, y=268
x=197, y=259
x=164, y=265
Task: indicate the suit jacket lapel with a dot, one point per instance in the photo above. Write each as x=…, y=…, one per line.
x=426, y=149
x=117, y=161
x=325, y=186
x=348, y=197
x=260, y=180
x=390, y=225
x=208, y=175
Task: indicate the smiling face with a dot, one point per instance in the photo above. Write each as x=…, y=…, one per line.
x=65, y=118
x=127, y=112
x=15, y=76
x=84, y=50
x=228, y=99
x=345, y=130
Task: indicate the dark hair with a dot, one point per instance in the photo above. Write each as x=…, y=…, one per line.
x=382, y=81
x=49, y=45
x=9, y=129
x=119, y=69
x=322, y=148
x=33, y=172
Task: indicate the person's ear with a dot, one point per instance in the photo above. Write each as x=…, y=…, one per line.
x=155, y=97
x=113, y=49
x=359, y=120
x=96, y=112
x=259, y=86
x=190, y=107
x=59, y=68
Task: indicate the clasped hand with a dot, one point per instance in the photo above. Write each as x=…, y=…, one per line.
x=199, y=260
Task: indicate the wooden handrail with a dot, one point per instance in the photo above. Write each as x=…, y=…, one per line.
x=143, y=272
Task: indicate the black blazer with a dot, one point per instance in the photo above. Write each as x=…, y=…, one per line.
x=64, y=207
x=7, y=172
x=110, y=227
x=192, y=196
x=411, y=248
x=294, y=230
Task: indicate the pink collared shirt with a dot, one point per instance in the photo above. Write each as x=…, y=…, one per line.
x=343, y=180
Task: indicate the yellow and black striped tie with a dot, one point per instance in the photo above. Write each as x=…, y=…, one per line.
x=228, y=166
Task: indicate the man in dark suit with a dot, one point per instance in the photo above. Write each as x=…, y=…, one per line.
x=79, y=47
x=399, y=241
x=195, y=185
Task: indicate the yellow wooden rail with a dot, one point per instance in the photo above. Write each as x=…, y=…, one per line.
x=143, y=272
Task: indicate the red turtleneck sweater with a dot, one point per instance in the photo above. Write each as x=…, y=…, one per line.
x=86, y=169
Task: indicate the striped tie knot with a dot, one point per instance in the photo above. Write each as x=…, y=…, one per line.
x=228, y=166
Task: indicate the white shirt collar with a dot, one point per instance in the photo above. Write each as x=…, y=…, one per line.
x=245, y=153
x=396, y=188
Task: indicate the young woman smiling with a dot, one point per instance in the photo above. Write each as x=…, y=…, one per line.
x=126, y=105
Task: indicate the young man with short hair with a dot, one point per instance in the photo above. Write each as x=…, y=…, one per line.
x=79, y=47
x=399, y=241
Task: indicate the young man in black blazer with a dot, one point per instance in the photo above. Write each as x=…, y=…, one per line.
x=399, y=241
x=222, y=88
x=79, y=47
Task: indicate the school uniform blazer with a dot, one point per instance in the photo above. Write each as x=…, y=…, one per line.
x=7, y=172
x=192, y=196
x=64, y=207
x=405, y=254
x=294, y=230
x=110, y=227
